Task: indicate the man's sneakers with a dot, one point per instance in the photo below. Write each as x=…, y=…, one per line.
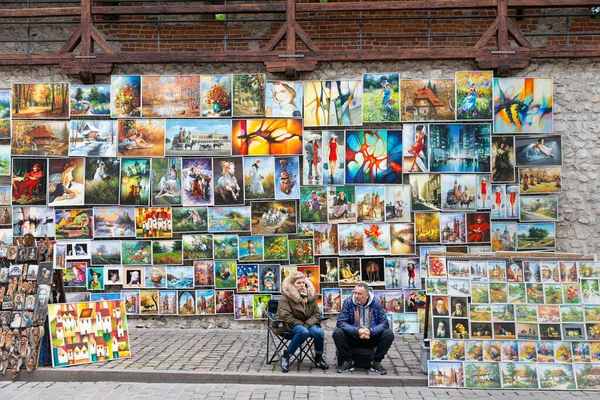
x=377, y=367
x=347, y=366
x=285, y=361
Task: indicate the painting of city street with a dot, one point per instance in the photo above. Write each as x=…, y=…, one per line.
x=459, y=147
x=198, y=137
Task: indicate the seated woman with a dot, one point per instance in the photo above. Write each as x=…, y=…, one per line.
x=64, y=188
x=299, y=311
x=134, y=140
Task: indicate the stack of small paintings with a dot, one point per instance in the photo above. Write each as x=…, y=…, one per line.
x=514, y=324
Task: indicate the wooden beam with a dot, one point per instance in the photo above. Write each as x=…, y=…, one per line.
x=100, y=41
x=489, y=33
x=290, y=35
x=516, y=33
x=305, y=38
x=397, y=5
x=277, y=38
x=71, y=43
x=40, y=12
x=502, y=15
x=86, y=23
x=551, y=3
x=195, y=9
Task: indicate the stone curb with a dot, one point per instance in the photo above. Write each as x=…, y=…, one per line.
x=329, y=378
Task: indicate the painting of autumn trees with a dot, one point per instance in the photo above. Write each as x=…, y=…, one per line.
x=40, y=100
x=171, y=96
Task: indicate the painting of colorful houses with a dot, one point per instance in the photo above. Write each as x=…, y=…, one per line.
x=88, y=332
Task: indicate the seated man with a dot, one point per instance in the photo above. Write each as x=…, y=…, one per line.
x=362, y=323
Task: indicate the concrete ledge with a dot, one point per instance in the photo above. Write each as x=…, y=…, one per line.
x=328, y=378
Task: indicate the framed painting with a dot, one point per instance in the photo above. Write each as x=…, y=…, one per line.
x=284, y=99
x=141, y=137
x=474, y=95
x=125, y=96
x=216, y=95
x=427, y=100
x=102, y=180
x=263, y=137
x=196, y=137
x=249, y=95
x=381, y=97
x=40, y=138
x=40, y=101
x=171, y=96
x=90, y=100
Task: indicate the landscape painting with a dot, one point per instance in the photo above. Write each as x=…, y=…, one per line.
x=90, y=100
x=427, y=100
x=40, y=101
x=198, y=137
x=381, y=97
x=171, y=96
x=540, y=180
x=93, y=138
x=474, y=95
x=249, y=95
x=40, y=138
x=5, y=114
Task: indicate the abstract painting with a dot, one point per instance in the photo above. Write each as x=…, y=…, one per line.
x=373, y=157
x=263, y=137
x=333, y=103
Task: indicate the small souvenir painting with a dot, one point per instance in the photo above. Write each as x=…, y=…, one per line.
x=540, y=180
x=284, y=99
x=333, y=157
x=474, y=350
x=105, y=296
x=499, y=201
x=536, y=236
x=251, y=248
x=197, y=174
x=402, y=237
x=376, y=239
x=247, y=278
x=586, y=375
x=204, y=273
x=459, y=192
x=189, y=219
x=249, y=95
x=75, y=274
x=503, y=159
x=141, y=137
x=135, y=181
x=445, y=374
x=270, y=276
x=415, y=150
x=519, y=375
x=167, y=252
x=341, y=204
x=28, y=181
x=474, y=95
x=427, y=99
x=114, y=222
x=595, y=351
x=350, y=273
x=171, y=96
x=492, y=350
x=74, y=224
x=453, y=229
x=333, y=103
x=38, y=221
x=332, y=303
x=592, y=313
x=259, y=178
x=581, y=352
x=93, y=138
x=351, y=240
x=105, y=252
x=225, y=274
x=40, y=101
x=374, y=157
x=593, y=333
x=571, y=332
x=414, y=300
x=102, y=180
x=312, y=274
x=180, y=277
x=197, y=137
x=113, y=275
x=483, y=192
x=552, y=332
x=224, y=301
x=437, y=267
x=229, y=219
x=538, y=208
x=166, y=181
x=276, y=248
x=167, y=302
x=95, y=281
x=482, y=330
x=589, y=269
x=136, y=252
x=532, y=151
x=406, y=324
x=226, y=187
x=325, y=239
x=436, y=286
x=197, y=247
x=370, y=203
x=65, y=182
x=459, y=287
x=301, y=251
x=393, y=273
x=571, y=313
x=244, y=307
x=90, y=100
x=306, y=230
x=556, y=376
x=532, y=97
x=153, y=222
x=553, y=294
x=313, y=157
x=226, y=247
x=263, y=137
x=5, y=110
x=132, y=301
x=460, y=328
x=468, y=148
x=381, y=97
x=397, y=203
x=149, y=302
x=478, y=228
x=480, y=312
x=133, y=277
x=216, y=95
x=205, y=302
x=186, y=302
x=504, y=236
x=441, y=328
x=427, y=227
x=392, y=301
x=273, y=217
x=430, y=200
x=411, y=274
x=125, y=96
x=516, y=293
x=287, y=171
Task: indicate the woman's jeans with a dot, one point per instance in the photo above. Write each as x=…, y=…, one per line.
x=301, y=334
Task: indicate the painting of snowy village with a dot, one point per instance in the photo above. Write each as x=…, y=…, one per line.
x=88, y=332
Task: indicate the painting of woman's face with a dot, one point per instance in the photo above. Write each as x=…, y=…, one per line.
x=283, y=94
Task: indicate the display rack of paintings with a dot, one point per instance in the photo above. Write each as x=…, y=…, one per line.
x=513, y=322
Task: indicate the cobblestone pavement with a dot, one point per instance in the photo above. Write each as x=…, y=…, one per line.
x=151, y=391
x=235, y=351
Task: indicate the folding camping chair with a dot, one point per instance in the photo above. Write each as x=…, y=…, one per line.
x=282, y=341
